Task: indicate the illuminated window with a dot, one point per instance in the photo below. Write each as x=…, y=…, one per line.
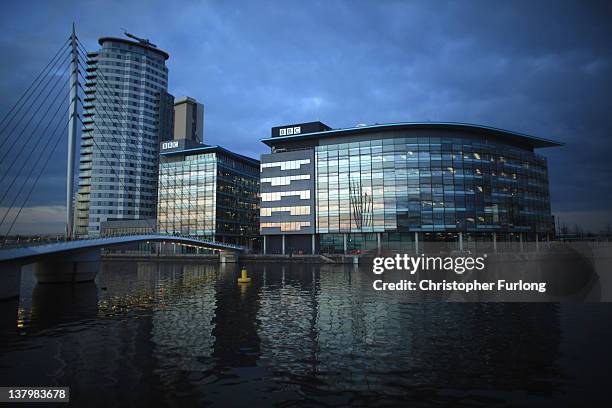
x=286, y=226
x=296, y=210
x=276, y=196
x=284, y=180
x=286, y=165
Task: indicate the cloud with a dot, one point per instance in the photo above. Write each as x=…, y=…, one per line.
x=589, y=221
x=36, y=220
x=542, y=68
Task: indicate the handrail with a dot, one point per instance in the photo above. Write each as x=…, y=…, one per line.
x=170, y=235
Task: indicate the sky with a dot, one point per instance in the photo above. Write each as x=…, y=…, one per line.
x=543, y=68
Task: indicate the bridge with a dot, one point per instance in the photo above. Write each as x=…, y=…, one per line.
x=77, y=261
x=30, y=133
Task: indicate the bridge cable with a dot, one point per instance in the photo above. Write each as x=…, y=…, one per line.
x=62, y=48
x=28, y=163
x=37, y=98
x=100, y=75
x=42, y=151
x=124, y=151
x=24, y=145
x=119, y=179
x=106, y=92
x=59, y=139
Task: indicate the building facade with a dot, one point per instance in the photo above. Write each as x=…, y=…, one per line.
x=188, y=120
x=112, y=228
x=127, y=111
x=210, y=193
x=389, y=186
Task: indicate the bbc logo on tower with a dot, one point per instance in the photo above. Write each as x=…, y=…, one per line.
x=290, y=131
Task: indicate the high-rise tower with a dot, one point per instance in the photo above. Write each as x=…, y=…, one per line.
x=188, y=120
x=126, y=113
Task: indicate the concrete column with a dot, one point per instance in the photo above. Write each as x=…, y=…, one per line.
x=283, y=244
x=65, y=271
x=378, y=245
x=10, y=280
x=494, y=242
x=537, y=243
x=174, y=248
x=344, y=243
x=521, y=241
x=228, y=257
x=461, y=242
x=313, y=243
x=264, y=245
x=416, y=242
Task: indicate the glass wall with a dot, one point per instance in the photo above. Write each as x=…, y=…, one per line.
x=187, y=195
x=430, y=184
x=210, y=196
x=237, y=200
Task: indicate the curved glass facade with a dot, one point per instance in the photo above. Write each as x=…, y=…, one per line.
x=390, y=186
x=430, y=184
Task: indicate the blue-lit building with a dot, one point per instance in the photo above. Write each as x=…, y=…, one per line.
x=208, y=192
x=389, y=186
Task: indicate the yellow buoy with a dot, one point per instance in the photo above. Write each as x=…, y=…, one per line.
x=244, y=278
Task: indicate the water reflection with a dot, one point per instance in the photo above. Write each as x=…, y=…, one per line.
x=9, y=311
x=168, y=333
x=60, y=305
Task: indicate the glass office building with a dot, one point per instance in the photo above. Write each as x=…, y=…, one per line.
x=387, y=186
x=208, y=192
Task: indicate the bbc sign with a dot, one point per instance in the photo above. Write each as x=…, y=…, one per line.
x=290, y=131
x=170, y=145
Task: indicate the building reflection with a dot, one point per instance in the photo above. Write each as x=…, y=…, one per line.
x=9, y=320
x=58, y=304
x=334, y=334
x=150, y=332
x=236, y=341
x=287, y=320
x=183, y=322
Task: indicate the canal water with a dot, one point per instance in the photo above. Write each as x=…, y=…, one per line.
x=187, y=334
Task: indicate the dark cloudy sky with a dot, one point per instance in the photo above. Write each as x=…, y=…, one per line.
x=543, y=68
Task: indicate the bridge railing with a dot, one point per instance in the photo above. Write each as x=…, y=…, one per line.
x=19, y=242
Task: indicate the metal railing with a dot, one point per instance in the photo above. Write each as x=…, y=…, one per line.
x=39, y=241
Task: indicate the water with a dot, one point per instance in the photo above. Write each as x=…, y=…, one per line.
x=188, y=334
